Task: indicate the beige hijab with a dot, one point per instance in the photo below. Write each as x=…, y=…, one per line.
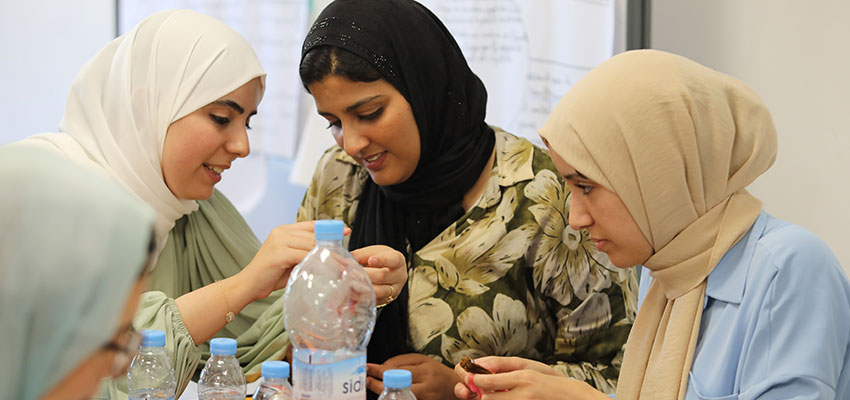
x=678, y=142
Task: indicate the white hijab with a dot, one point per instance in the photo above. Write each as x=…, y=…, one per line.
x=124, y=99
x=73, y=244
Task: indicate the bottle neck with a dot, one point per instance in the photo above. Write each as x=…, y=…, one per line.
x=151, y=349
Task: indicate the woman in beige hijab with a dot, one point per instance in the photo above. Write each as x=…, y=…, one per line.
x=735, y=304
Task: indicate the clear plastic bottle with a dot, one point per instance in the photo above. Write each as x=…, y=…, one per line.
x=151, y=375
x=222, y=377
x=329, y=311
x=275, y=384
x=397, y=385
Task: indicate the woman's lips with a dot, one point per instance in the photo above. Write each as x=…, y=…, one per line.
x=600, y=243
x=375, y=161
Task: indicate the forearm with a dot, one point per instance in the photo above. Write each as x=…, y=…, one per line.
x=204, y=310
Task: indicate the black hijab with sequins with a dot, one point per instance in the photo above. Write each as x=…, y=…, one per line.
x=415, y=52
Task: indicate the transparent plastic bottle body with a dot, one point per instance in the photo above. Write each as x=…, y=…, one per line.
x=222, y=377
x=151, y=374
x=397, y=385
x=274, y=389
x=397, y=394
x=329, y=311
x=275, y=384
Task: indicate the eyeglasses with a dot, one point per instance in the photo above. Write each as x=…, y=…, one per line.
x=123, y=353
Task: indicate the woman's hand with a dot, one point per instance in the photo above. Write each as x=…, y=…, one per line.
x=431, y=379
x=386, y=268
x=519, y=378
x=284, y=248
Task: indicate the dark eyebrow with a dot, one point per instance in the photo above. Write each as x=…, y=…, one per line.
x=576, y=176
x=360, y=103
x=232, y=104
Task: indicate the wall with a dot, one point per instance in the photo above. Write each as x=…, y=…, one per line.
x=45, y=43
x=795, y=55
x=42, y=51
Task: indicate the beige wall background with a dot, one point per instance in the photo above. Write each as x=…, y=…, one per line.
x=796, y=55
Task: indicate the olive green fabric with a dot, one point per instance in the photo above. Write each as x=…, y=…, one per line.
x=205, y=246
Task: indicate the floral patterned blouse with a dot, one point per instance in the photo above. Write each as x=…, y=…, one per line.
x=510, y=277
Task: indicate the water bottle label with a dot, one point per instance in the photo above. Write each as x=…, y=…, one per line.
x=342, y=380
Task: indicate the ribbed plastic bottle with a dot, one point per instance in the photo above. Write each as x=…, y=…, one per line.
x=275, y=384
x=222, y=377
x=397, y=385
x=151, y=374
x=329, y=311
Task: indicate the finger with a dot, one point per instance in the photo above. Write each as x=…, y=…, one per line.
x=461, y=373
x=280, y=238
x=362, y=254
x=378, y=275
x=284, y=279
x=302, y=226
x=382, y=293
x=390, y=259
x=406, y=360
x=309, y=226
x=296, y=242
x=503, y=381
x=505, y=364
x=463, y=392
x=374, y=385
x=385, y=255
x=375, y=370
x=291, y=257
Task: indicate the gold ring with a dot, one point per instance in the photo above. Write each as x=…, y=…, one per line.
x=391, y=297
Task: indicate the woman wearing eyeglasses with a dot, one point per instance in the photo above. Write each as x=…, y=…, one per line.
x=72, y=258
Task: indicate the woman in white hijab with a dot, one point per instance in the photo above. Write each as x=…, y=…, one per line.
x=164, y=110
x=72, y=256
x=735, y=304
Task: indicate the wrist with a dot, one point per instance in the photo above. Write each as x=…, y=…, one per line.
x=248, y=284
x=589, y=392
x=237, y=292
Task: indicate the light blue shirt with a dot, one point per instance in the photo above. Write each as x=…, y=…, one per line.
x=776, y=322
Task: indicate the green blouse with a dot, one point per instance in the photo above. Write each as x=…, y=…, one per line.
x=205, y=246
x=510, y=277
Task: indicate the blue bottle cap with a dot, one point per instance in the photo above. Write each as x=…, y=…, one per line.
x=275, y=369
x=397, y=378
x=153, y=338
x=223, y=346
x=328, y=229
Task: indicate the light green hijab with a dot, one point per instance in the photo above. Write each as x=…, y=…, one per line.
x=72, y=246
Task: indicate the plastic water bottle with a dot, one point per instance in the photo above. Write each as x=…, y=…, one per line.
x=275, y=384
x=397, y=385
x=151, y=375
x=222, y=377
x=329, y=310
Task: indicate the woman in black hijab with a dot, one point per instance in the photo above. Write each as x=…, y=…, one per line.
x=479, y=213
